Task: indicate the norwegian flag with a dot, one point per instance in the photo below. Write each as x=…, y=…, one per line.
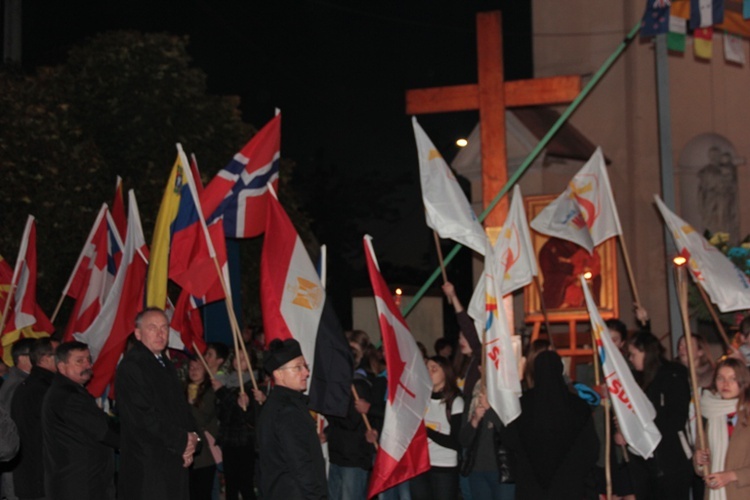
x=403, y=452
x=239, y=191
x=94, y=273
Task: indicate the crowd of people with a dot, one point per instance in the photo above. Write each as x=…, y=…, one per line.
x=205, y=427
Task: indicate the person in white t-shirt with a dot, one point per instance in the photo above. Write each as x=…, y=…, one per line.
x=443, y=422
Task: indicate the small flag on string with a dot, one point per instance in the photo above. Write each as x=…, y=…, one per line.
x=703, y=43
x=734, y=50
x=677, y=34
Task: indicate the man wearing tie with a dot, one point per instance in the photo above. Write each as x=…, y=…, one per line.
x=158, y=436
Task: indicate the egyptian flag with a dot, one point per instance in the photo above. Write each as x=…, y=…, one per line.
x=294, y=305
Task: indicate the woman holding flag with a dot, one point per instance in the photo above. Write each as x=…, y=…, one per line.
x=443, y=422
x=726, y=464
x=667, y=474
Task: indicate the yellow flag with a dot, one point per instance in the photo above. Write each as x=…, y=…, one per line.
x=158, y=268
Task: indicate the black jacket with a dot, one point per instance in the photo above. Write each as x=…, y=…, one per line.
x=78, y=444
x=290, y=455
x=347, y=445
x=26, y=411
x=236, y=426
x=155, y=419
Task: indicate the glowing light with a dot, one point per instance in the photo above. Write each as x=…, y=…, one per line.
x=587, y=275
x=398, y=291
x=462, y=143
x=679, y=261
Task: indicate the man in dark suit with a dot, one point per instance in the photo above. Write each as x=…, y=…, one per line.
x=78, y=442
x=157, y=429
x=26, y=411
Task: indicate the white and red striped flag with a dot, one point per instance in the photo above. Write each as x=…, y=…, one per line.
x=727, y=286
x=635, y=413
x=107, y=335
x=94, y=273
x=23, y=311
x=585, y=213
x=402, y=453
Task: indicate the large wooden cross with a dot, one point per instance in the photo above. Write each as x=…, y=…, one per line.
x=491, y=95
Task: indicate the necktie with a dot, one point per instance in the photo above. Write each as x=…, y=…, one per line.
x=161, y=361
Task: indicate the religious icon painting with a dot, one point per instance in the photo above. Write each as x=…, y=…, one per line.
x=561, y=262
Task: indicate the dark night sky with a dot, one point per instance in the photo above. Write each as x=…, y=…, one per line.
x=337, y=69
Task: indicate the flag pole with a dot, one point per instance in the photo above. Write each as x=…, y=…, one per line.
x=544, y=311
x=440, y=255
x=534, y=153
x=236, y=334
x=364, y=416
x=629, y=268
x=57, y=308
x=16, y=271
x=715, y=316
x=239, y=344
x=607, y=416
x=9, y=297
x=607, y=422
x=203, y=361
x=682, y=295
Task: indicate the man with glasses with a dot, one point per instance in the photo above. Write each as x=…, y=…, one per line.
x=156, y=426
x=291, y=459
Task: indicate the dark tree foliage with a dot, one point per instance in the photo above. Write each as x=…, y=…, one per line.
x=117, y=106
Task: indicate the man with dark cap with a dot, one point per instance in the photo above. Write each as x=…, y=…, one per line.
x=291, y=459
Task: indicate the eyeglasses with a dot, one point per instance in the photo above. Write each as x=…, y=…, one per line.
x=296, y=368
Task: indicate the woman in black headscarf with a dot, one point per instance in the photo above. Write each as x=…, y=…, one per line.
x=553, y=441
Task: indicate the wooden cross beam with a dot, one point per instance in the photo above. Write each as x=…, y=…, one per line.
x=491, y=96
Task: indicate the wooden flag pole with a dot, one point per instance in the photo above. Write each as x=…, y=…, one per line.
x=715, y=316
x=607, y=419
x=203, y=361
x=483, y=364
x=8, y=298
x=629, y=268
x=544, y=310
x=682, y=292
x=57, y=308
x=364, y=416
x=236, y=334
x=440, y=255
